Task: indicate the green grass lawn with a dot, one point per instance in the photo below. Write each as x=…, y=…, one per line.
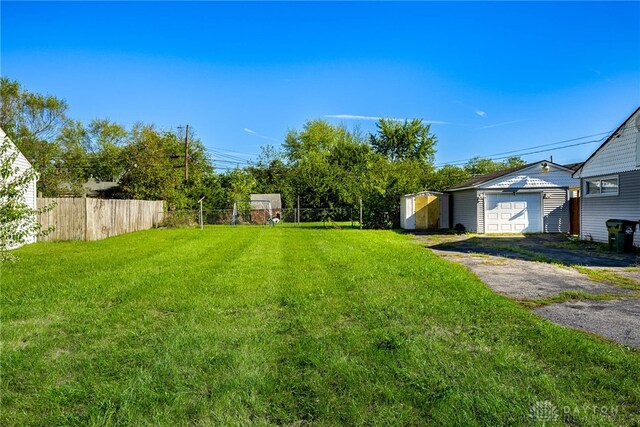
x=270, y=326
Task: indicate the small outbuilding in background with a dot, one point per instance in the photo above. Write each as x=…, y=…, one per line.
x=426, y=210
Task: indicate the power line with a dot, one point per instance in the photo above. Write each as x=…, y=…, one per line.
x=224, y=150
x=536, y=152
x=490, y=156
x=228, y=156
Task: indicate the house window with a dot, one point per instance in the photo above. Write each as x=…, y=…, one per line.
x=606, y=186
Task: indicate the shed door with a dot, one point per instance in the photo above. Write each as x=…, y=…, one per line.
x=427, y=212
x=509, y=213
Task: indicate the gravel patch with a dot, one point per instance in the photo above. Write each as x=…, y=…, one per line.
x=635, y=275
x=529, y=280
x=618, y=320
x=508, y=266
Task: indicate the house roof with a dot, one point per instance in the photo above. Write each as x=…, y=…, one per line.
x=476, y=181
x=574, y=166
x=606, y=141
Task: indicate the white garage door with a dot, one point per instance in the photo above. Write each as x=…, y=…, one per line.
x=508, y=213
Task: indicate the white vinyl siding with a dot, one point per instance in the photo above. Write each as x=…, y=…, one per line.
x=637, y=147
x=555, y=207
x=480, y=212
x=594, y=211
x=619, y=154
x=22, y=164
x=465, y=209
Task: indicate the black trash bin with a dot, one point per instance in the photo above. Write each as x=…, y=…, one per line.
x=621, y=233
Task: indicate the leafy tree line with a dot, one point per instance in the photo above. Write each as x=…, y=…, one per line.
x=326, y=165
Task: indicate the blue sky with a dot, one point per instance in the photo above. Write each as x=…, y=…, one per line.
x=492, y=77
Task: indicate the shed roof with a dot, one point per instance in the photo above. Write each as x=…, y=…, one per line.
x=274, y=198
x=419, y=193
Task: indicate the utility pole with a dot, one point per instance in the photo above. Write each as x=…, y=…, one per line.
x=186, y=154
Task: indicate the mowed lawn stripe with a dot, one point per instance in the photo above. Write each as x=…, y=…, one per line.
x=125, y=315
x=417, y=341
x=259, y=325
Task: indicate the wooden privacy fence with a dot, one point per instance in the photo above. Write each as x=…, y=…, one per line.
x=95, y=219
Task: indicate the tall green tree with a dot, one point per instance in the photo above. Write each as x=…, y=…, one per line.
x=480, y=166
x=271, y=174
x=307, y=152
x=239, y=184
x=33, y=121
x=153, y=164
x=107, y=142
x=74, y=162
x=408, y=140
x=448, y=176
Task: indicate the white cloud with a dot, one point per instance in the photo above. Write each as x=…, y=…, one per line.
x=503, y=123
x=481, y=113
x=438, y=122
x=254, y=133
x=376, y=118
x=353, y=117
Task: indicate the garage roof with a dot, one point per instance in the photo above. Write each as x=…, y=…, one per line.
x=476, y=181
x=480, y=179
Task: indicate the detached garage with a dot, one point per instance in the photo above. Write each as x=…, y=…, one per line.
x=533, y=198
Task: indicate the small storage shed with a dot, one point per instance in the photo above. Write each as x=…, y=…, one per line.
x=426, y=210
x=264, y=205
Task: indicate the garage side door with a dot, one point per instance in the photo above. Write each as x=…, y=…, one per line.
x=508, y=213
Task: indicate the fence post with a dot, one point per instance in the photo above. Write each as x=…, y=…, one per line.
x=360, y=214
x=86, y=219
x=201, y=224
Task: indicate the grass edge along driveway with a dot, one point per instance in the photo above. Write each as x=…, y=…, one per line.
x=270, y=326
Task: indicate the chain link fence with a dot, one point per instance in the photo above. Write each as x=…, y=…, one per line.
x=191, y=218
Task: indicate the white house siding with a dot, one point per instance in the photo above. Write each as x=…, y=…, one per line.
x=465, y=209
x=555, y=208
x=22, y=164
x=596, y=210
x=619, y=154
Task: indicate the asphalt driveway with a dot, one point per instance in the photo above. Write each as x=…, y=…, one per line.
x=571, y=283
